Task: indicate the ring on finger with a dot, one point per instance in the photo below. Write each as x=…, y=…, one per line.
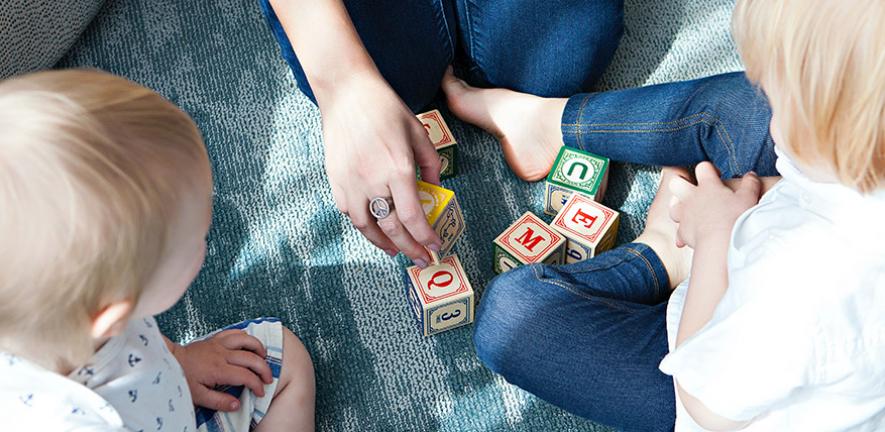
x=380, y=207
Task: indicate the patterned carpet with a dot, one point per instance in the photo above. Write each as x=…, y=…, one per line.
x=279, y=248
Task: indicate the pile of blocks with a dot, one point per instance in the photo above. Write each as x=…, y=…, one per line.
x=440, y=295
x=581, y=229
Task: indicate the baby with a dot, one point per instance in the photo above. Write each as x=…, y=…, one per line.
x=107, y=198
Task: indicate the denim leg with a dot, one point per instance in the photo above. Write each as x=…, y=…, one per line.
x=587, y=337
x=552, y=48
x=723, y=119
x=411, y=42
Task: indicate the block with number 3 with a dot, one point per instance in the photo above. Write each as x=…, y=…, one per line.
x=443, y=140
x=574, y=171
x=443, y=213
x=529, y=240
x=589, y=227
x=440, y=296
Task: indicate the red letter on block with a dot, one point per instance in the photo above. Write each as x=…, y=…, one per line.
x=584, y=218
x=528, y=241
x=442, y=284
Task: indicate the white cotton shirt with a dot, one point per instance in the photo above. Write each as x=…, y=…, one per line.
x=133, y=383
x=797, y=342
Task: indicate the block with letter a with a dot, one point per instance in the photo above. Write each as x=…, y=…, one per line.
x=529, y=240
x=589, y=227
x=575, y=171
x=442, y=138
x=443, y=213
x=440, y=296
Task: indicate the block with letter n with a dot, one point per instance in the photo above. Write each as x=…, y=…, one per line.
x=440, y=296
x=443, y=213
x=528, y=241
x=443, y=140
x=575, y=171
x=589, y=227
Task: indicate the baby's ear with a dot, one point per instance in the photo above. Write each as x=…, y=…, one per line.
x=111, y=320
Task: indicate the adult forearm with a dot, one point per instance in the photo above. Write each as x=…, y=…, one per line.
x=709, y=280
x=325, y=39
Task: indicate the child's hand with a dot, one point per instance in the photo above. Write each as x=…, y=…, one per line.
x=710, y=209
x=232, y=358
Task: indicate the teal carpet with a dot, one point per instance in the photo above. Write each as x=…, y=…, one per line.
x=278, y=247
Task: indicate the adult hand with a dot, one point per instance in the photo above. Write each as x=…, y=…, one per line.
x=372, y=144
x=710, y=209
x=232, y=358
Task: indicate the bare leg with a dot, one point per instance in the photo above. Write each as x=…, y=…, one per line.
x=292, y=408
x=528, y=127
x=660, y=230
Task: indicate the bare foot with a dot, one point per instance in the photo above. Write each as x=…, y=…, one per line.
x=528, y=127
x=660, y=230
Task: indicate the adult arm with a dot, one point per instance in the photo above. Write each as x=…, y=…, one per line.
x=372, y=139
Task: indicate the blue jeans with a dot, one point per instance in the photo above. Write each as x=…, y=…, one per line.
x=723, y=119
x=548, y=48
x=587, y=337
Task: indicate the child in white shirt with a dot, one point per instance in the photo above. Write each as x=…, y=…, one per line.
x=107, y=196
x=782, y=324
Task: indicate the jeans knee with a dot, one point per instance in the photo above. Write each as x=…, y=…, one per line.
x=506, y=305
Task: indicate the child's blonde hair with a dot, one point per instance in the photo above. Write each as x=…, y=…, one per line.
x=822, y=63
x=92, y=167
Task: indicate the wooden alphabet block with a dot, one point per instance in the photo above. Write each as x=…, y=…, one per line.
x=574, y=171
x=442, y=138
x=529, y=240
x=590, y=228
x=440, y=296
x=443, y=213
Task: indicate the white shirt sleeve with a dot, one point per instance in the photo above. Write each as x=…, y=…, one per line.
x=758, y=350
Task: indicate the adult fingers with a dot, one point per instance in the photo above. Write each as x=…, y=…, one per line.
x=239, y=340
x=362, y=220
x=394, y=229
x=411, y=213
x=251, y=361
x=215, y=400
x=426, y=156
x=706, y=171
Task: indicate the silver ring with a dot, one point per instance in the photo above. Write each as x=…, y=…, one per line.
x=380, y=207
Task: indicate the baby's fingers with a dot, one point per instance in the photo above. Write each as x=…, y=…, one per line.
x=253, y=362
x=214, y=399
x=240, y=376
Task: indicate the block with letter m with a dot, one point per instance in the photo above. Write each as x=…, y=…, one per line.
x=529, y=240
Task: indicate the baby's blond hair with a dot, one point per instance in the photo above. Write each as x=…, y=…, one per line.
x=91, y=170
x=822, y=63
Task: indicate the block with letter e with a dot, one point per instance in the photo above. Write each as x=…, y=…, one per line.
x=443, y=213
x=589, y=227
x=443, y=140
x=440, y=296
x=528, y=241
x=574, y=171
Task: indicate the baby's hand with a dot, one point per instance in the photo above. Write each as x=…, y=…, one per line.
x=710, y=209
x=232, y=358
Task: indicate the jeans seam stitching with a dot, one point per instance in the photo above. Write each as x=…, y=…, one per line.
x=651, y=269
x=679, y=120
x=469, y=33
x=575, y=292
x=581, y=115
x=451, y=37
x=707, y=119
